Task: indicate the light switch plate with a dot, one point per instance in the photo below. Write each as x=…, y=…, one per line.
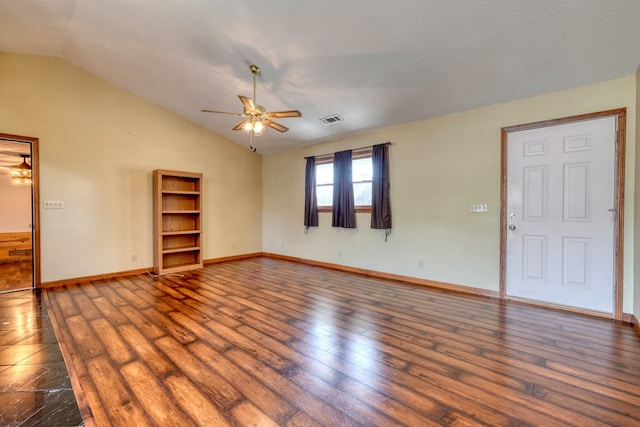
x=479, y=208
x=54, y=204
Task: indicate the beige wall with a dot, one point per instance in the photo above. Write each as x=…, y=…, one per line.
x=438, y=168
x=98, y=146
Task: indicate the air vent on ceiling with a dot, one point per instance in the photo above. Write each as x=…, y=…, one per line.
x=331, y=120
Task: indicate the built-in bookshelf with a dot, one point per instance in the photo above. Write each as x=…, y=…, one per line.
x=177, y=225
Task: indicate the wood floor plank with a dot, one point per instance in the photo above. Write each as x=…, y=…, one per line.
x=395, y=410
x=180, y=333
x=201, y=410
x=110, y=311
x=158, y=406
x=150, y=329
x=126, y=292
x=89, y=310
x=270, y=342
x=85, y=339
x=201, y=332
x=112, y=341
x=301, y=419
x=595, y=377
x=267, y=400
x=65, y=303
x=316, y=408
x=219, y=390
x=264, y=354
x=146, y=350
x=246, y=414
x=424, y=395
x=218, y=316
x=119, y=403
x=613, y=415
x=540, y=374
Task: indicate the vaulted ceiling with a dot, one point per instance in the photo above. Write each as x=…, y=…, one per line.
x=376, y=63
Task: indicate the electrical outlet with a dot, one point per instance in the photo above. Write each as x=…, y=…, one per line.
x=134, y=257
x=51, y=204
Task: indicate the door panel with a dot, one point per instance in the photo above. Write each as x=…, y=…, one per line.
x=535, y=190
x=560, y=195
x=576, y=189
x=575, y=265
x=535, y=257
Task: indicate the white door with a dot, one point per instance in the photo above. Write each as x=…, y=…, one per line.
x=560, y=217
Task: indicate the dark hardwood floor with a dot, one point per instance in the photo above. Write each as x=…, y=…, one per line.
x=267, y=342
x=16, y=275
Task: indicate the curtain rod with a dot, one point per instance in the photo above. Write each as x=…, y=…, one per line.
x=352, y=149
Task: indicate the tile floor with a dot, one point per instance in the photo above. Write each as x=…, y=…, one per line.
x=34, y=384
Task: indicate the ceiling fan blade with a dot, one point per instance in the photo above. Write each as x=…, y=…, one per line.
x=283, y=114
x=220, y=112
x=247, y=103
x=274, y=125
x=240, y=125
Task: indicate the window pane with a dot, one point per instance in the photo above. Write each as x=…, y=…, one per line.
x=362, y=169
x=324, y=193
x=324, y=174
x=362, y=193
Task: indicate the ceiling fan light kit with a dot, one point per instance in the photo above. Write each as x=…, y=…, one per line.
x=257, y=118
x=256, y=127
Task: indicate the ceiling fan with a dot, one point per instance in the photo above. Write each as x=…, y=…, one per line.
x=256, y=116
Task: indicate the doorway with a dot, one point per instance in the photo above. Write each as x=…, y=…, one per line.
x=19, y=213
x=562, y=201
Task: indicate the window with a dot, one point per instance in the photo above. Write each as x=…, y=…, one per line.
x=362, y=176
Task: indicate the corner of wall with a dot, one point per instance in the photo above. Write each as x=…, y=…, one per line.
x=636, y=234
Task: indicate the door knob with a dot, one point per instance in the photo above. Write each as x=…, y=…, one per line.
x=511, y=227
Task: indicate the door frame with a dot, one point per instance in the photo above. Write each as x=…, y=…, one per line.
x=35, y=200
x=618, y=285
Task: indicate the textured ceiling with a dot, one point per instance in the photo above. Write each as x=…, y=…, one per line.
x=377, y=63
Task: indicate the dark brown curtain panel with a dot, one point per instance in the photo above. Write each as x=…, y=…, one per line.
x=343, y=210
x=380, y=200
x=310, y=198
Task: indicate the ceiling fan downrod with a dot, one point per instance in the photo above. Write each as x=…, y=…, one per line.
x=255, y=70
